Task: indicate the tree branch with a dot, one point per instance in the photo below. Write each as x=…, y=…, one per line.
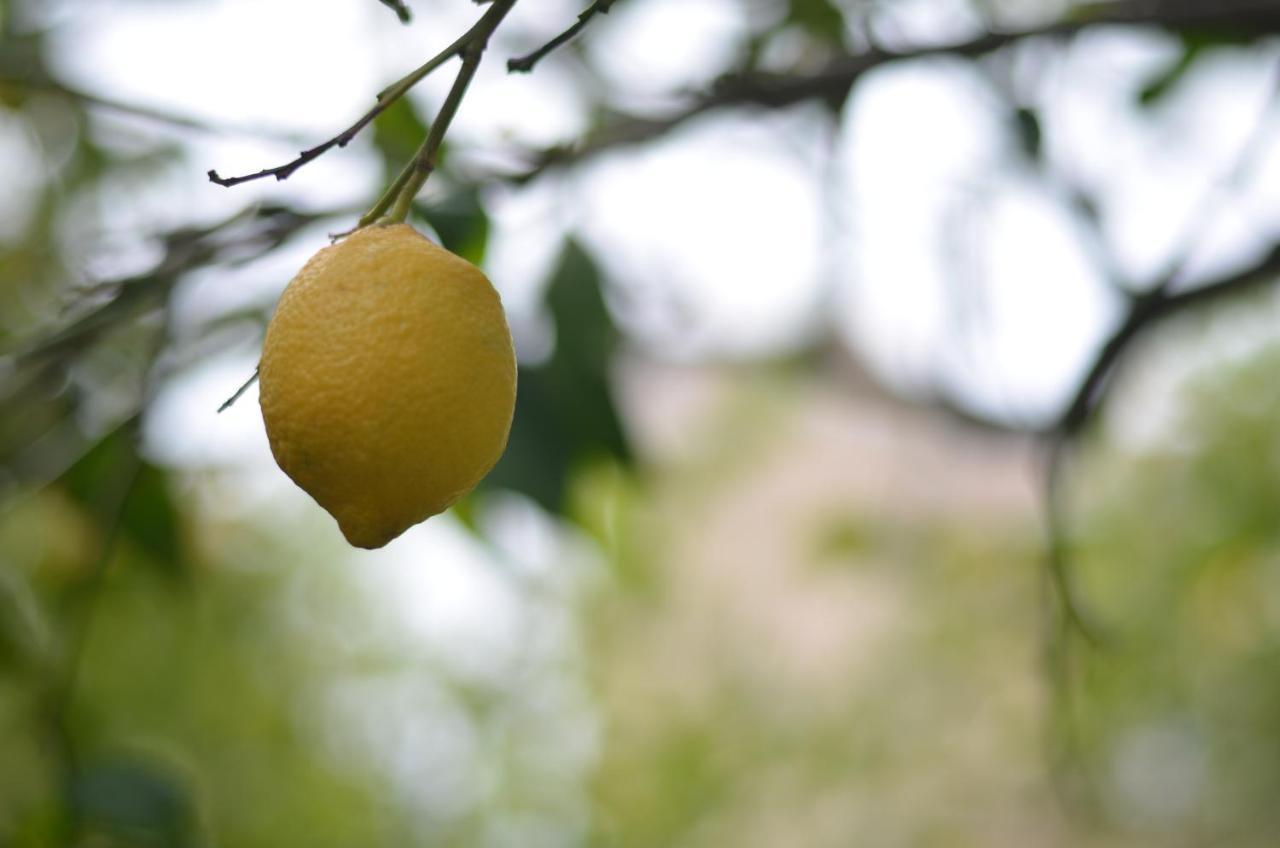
x=235, y=396
x=395, y=202
x=524, y=64
x=1145, y=311
x=1249, y=18
x=386, y=97
x=106, y=104
x=248, y=234
x=283, y=172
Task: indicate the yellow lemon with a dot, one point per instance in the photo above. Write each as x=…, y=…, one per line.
x=388, y=381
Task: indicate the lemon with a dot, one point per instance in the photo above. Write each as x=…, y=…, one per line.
x=388, y=381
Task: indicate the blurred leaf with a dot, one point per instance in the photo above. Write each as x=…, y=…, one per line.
x=565, y=414
x=129, y=301
x=1179, y=552
x=1167, y=78
x=539, y=449
x=585, y=334
x=461, y=222
x=1084, y=204
x=136, y=802
x=465, y=512
x=25, y=637
x=256, y=315
x=148, y=517
x=1201, y=40
x=1030, y=135
x=1195, y=46
x=820, y=18
x=90, y=478
x=397, y=133
x=33, y=401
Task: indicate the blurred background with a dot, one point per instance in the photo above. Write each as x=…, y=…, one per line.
x=895, y=460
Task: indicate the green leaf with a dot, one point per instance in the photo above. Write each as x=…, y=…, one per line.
x=397, y=134
x=585, y=334
x=148, y=516
x=565, y=414
x=1030, y=135
x=820, y=18
x=461, y=222
x=540, y=448
x=1158, y=87
x=137, y=297
x=90, y=480
x=1196, y=45
x=26, y=638
x=134, y=801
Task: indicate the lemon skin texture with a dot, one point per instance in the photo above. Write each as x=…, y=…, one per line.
x=388, y=381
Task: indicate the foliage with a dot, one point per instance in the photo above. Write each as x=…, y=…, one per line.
x=170, y=675
x=1178, y=551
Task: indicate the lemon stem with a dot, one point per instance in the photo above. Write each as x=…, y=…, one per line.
x=388, y=197
x=398, y=198
x=424, y=162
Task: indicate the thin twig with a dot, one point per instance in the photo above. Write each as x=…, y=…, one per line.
x=226, y=404
x=1253, y=18
x=258, y=230
x=385, y=99
x=383, y=204
x=1157, y=301
x=524, y=64
x=423, y=163
x=283, y=172
x=1144, y=313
